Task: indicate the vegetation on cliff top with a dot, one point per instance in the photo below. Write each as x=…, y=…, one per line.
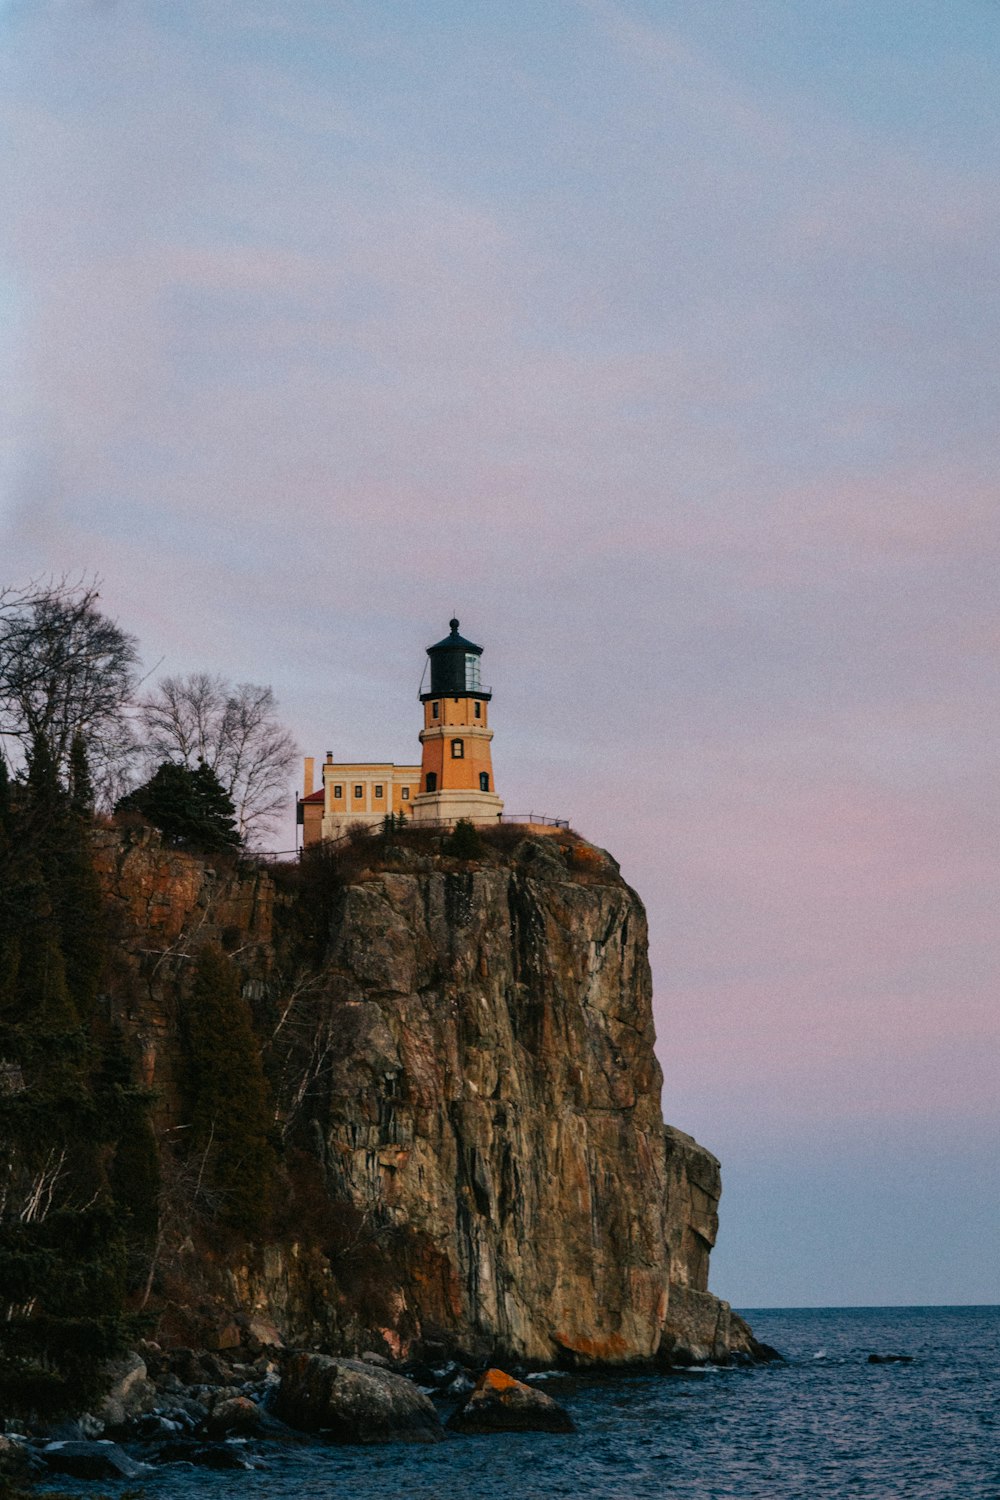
x=191, y=808
x=68, y=674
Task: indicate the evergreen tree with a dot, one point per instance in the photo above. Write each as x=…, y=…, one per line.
x=58, y=830
x=4, y=800
x=81, y=785
x=230, y=1121
x=62, y=1276
x=464, y=841
x=134, y=1167
x=61, y=1246
x=188, y=807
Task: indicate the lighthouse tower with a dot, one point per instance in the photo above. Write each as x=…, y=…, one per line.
x=456, y=772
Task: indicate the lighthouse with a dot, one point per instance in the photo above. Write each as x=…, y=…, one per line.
x=456, y=771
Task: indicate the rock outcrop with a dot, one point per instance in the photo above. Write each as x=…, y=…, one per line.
x=349, y=1401
x=499, y=1403
x=462, y=1057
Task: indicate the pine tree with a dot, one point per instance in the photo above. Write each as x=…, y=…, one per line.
x=188, y=807
x=58, y=836
x=81, y=785
x=4, y=802
x=134, y=1167
x=464, y=841
x=61, y=1246
x=230, y=1120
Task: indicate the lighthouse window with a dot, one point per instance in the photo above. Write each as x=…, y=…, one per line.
x=472, y=673
x=434, y=710
x=432, y=781
x=479, y=710
x=457, y=749
x=484, y=781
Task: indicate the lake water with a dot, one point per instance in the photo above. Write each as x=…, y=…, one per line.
x=825, y=1424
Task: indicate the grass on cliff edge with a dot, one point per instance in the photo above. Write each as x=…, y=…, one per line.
x=411, y=847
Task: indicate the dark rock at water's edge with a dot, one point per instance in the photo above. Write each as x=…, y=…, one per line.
x=130, y=1392
x=499, y=1403
x=474, y=1164
x=349, y=1401
x=764, y=1354
x=236, y=1417
x=203, y=1455
x=91, y=1460
x=17, y=1460
x=890, y=1359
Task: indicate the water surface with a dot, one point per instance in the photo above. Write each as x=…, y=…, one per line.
x=826, y=1424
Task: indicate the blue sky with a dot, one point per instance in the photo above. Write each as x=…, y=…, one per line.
x=659, y=342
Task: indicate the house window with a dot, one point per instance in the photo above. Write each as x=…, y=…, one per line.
x=484, y=781
x=359, y=791
x=434, y=710
x=338, y=791
x=432, y=781
x=457, y=749
x=406, y=794
x=378, y=790
x=479, y=709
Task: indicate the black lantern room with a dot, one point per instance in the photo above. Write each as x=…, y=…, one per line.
x=455, y=668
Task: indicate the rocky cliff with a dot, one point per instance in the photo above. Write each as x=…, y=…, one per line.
x=461, y=1058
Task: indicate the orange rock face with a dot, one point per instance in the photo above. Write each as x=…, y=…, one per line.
x=497, y=1380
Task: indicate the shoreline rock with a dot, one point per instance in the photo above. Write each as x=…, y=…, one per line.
x=349, y=1401
x=499, y=1403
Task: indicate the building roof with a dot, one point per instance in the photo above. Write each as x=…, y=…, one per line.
x=314, y=796
x=455, y=642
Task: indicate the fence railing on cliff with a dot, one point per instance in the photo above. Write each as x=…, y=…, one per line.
x=429, y=825
x=539, y=819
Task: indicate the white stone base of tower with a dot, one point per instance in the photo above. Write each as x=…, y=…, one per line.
x=448, y=806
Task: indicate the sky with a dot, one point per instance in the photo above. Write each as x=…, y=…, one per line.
x=658, y=341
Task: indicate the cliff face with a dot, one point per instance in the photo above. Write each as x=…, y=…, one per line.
x=464, y=1070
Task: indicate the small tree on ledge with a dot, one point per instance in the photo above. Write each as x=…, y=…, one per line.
x=187, y=806
x=463, y=841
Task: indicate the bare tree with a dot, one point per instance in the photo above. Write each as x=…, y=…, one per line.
x=66, y=671
x=235, y=730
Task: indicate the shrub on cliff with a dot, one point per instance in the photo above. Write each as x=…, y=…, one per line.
x=464, y=841
x=187, y=806
x=230, y=1120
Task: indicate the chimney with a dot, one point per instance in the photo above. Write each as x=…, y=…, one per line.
x=310, y=763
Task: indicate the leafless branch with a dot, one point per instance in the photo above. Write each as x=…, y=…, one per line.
x=234, y=730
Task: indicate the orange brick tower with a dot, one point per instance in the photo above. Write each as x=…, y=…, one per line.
x=456, y=773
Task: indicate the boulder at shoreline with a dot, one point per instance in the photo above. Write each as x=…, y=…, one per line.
x=499, y=1403
x=91, y=1460
x=349, y=1401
